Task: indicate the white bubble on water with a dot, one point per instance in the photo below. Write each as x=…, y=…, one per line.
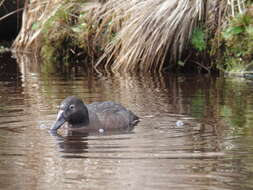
x=101, y=130
x=179, y=123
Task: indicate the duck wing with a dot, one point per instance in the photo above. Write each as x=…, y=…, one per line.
x=113, y=115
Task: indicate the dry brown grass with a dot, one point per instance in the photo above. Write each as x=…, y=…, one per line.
x=148, y=31
x=1, y=2
x=34, y=11
x=153, y=34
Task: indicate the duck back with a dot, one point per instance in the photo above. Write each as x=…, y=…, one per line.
x=112, y=115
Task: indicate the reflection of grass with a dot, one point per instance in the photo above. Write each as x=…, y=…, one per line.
x=2, y=107
x=236, y=109
x=48, y=68
x=226, y=113
x=198, y=105
x=238, y=121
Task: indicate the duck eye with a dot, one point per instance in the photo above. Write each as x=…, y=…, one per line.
x=72, y=106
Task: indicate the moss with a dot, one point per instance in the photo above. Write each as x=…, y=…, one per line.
x=70, y=36
x=198, y=39
x=238, y=43
x=60, y=42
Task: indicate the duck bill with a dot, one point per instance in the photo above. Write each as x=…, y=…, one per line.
x=60, y=120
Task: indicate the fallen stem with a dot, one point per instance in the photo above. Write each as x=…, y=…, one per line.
x=202, y=66
x=11, y=13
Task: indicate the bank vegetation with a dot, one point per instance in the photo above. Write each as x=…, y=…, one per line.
x=140, y=35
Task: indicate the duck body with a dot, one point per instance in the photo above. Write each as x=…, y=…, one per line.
x=92, y=117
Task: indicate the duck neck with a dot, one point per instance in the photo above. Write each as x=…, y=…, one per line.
x=80, y=119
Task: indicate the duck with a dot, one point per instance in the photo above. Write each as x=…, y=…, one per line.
x=97, y=116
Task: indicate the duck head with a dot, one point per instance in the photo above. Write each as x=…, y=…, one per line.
x=73, y=111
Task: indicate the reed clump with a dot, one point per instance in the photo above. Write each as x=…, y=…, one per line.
x=128, y=35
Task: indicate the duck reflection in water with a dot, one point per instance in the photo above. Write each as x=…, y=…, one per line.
x=76, y=142
x=73, y=142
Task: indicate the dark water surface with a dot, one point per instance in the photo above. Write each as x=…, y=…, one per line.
x=212, y=150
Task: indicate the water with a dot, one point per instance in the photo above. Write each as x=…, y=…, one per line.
x=212, y=148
